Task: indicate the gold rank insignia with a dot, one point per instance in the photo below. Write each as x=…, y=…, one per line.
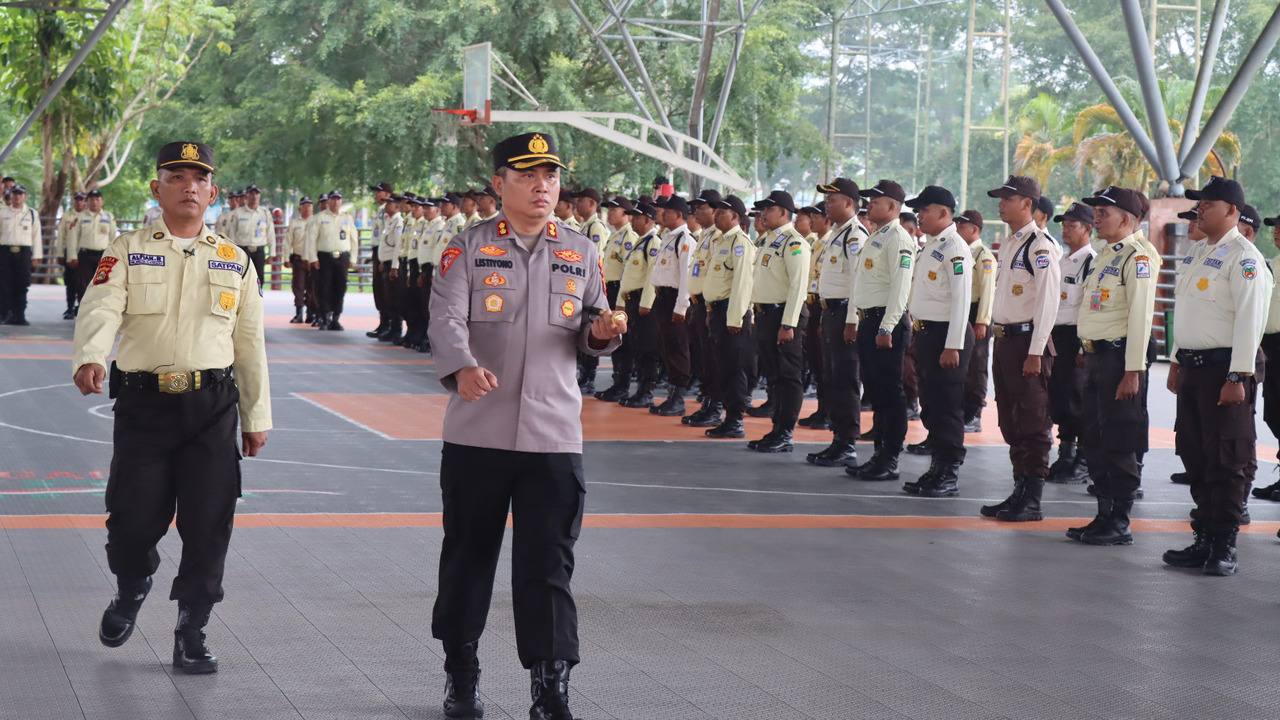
x=933, y=275
x=157, y=236
x=495, y=279
x=1202, y=284
x=493, y=303
x=226, y=252
x=1105, y=294
x=1064, y=296
x=537, y=145
x=833, y=259
x=1017, y=290
x=226, y=300
x=868, y=264
x=570, y=286
x=567, y=308
x=190, y=152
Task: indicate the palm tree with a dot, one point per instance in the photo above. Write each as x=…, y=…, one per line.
x=1045, y=129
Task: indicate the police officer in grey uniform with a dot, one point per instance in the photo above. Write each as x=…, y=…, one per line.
x=513, y=302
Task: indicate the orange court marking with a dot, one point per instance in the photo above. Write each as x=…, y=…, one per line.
x=629, y=521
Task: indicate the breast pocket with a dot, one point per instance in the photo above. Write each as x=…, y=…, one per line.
x=566, y=311
x=493, y=305
x=145, y=290
x=224, y=293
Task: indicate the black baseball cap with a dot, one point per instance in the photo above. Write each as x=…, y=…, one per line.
x=1045, y=205
x=304, y=200
x=809, y=210
x=842, y=186
x=1131, y=201
x=17, y=190
x=933, y=195
x=566, y=195
x=487, y=190
x=777, y=198
x=1077, y=211
x=731, y=202
x=661, y=180
x=1220, y=188
x=618, y=201
x=80, y=196
x=677, y=203
x=94, y=193
x=908, y=217
x=1271, y=221
x=185, y=154
x=706, y=197
x=521, y=152
x=973, y=217
x=335, y=194
x=452, y=198
x=587, y=193
x=253, y=189
x=646, y=209
x=383, y=186
x=1249, y=216
x=1018, y=185
x=886, y=188
x=324, y=197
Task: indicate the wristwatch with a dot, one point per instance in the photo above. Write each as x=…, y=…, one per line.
x=882, y=331
x=1235, y=377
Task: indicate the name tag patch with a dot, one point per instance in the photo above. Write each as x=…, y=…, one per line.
x=144, y=259
x=222, y=265
x=491, y=263
x=577, y=271
x=1213, y=263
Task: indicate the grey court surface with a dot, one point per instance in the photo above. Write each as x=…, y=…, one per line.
x=928, y=616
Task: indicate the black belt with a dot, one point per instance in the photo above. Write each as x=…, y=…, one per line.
x=719, y=304
x=1271, y=337
x=1201, y=358
x=835, y=303
x=1010, y=329
x=920, y=325
x=1097, y=346
x=172, y=383
x=870, y=313
x=769, y=307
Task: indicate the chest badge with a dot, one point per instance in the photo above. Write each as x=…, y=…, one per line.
x=1202, y=284
x=492, y=251
x=1017, y=290
x=570, y=286
x=934, y=276
x=572, y=256
x=868, y=264
x=226, y=300
x=493, y=303
x=567, y=308
x=226, y=252
x=495, y=280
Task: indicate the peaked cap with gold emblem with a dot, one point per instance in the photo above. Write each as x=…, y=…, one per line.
x=185, y=154
x=522, y=152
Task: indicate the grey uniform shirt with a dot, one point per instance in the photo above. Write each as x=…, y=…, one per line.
x=524, y=317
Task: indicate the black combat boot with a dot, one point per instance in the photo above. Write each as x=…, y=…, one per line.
x=1222, y=553
x=19, y=318
x=883, y=467
x=334, y=324
x=818, y=420
x=768, y=437
x=1075, y=533
x=920, y=448
x=1025, y=506
x=462, y=686
x=673, y=406
x=382, y=326
x=643, y=397
x=709, y=415
x=973, y=424
x=190, y=655
x=1063, y=468
x=121, y=615
x=994, y=510
x=1114, y=526
x=393, y=332
x=779, y=443
x=1270, y=492
x=838, y=453
x=615, y=393
x=945, y=482
x=297, y=316
x=912, y=487
x=730, y=428
x=761, y=411
x=1180, y=478
x=550, y=691
x=1195, y=554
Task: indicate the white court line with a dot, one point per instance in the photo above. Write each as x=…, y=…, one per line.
x=342, y=467
x=340, y=416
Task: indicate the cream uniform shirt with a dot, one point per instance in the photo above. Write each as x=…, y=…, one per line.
x=1074, y=269
x=730, y=273
x=597, y=232
x=781, y=273
x=1120, y=297
x=816, y=247
x=334, y=233
x=701, y=261
x=884, y=278
x=428, y=247
x=1221, y=299
x=296, y=236
x=839, y=261
x=94, y=231
x=19, y=228
x=621, y=240
x=984, y=281
x=178, y=312
x=1028, y=284
x=66, y=227
x=250, y=228
x=389, y=247
x=635, y=275
x=942, y=284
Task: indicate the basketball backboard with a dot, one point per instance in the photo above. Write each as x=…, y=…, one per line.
x=477, y=82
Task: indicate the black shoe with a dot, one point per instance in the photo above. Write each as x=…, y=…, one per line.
x=871, y=434
x=1268, y=492
x=376, y=332
x=1064, y=467
x=19, y=319
x=1180, y=478
x=550, y=691
x=920, y=448
x=882, y=468
x=817, y=421
x=1222, y=554
x=190, y=655
x=70, y=314
x=1024, y=505
x=120, y=617
x=334, y=324
x=912, y=487
x=673, y=406
x=779, y=443
x=462, y=686
x=614, y=394
x=762, y=411
x=945, y=482
x=297, y=318
x=708, y=416
x=1112, y=527
x=423, y=347
x=588, y=389
x=994, y=510
x=730, y=428
x=643, y=397
x=839, y=453
x=392, y=333
x=973, y=424
x=752, y=445
x=1192, y=556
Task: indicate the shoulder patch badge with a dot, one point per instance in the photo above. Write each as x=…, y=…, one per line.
x=1042, y=260
x=446, y=259
x=566, y=308
x=1142, y=266
x=904, y=261
x=226, y=300
x=957, y=266
x=495, y=279
x=103, y=272
x=503, y=228
x=1249, y=269
x=553, y=230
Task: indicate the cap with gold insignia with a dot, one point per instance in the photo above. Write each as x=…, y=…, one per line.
x=529, y=150
x=185, y=154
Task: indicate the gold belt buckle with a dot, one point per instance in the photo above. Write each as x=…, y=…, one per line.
x=1088, y=345
x=176, y=383
x=859, y=311
x=999, y=331
x=917, y=325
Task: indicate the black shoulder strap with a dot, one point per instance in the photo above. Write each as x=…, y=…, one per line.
x=1088, y=265
x=1026, y=255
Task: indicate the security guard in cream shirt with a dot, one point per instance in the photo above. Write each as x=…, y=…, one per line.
x=191, y=362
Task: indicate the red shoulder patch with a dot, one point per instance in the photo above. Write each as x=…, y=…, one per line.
x=492, y=251
x=552, y=230
x=103, y=272
x=446, y=259
x=572, y=256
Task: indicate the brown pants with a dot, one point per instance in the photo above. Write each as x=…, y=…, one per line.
x=673, y=339
x=975, y=383
x=1023, y=406
x=1217, y=443
x=300, y=285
